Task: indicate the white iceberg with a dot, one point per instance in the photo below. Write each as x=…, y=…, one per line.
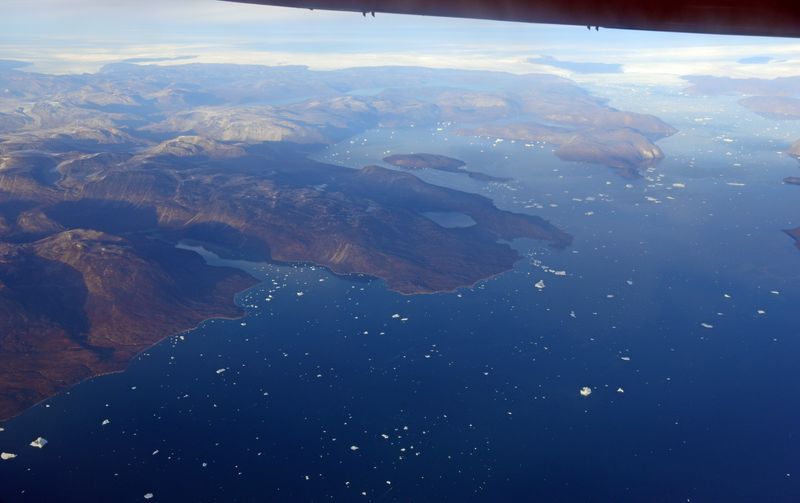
x=39, y=443
x=586, y=391
x=7, y=455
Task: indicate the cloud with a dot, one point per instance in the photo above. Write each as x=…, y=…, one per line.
x=578, y=67
x=160, y=59
x=756, y=60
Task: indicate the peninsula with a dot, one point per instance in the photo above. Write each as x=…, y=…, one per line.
x=439, y=163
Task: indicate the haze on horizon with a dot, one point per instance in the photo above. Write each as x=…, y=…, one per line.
x=82, y=36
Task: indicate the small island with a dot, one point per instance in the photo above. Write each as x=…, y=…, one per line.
x=439, y=163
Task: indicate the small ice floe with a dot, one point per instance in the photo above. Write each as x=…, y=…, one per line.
x=560, y=273
x=586, y=391
x=354, y=448
x=539, y=284
x=679, y=185
x=707, y=325
x=39, y=443
x=620, y=390
x=300, y=294
x=105, y=422
x=5, y=456
x=384, y=436
x=629, y=282
x=219, y=371
x=2, y=429
x=761, y=311
x=572, y=314
x=148, y=496
x=735, y=184
x=589, y=213
x=625, y=358
x=726, y=295
x=773, y=292
x=395, y=316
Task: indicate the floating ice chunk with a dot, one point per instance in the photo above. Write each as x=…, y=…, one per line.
x=395, y=316
x=219, y=371
x=773, y=292
x=707, y=325
x=629, y=282
x=39, y=443
x=354, y=448
x=736, y=184
x=384, y=436
x=625, y=358
x=148, y=496
x=572, y=314
x=679, y=185
x=726, y=295
x=560, y=273
x=620, y=390
x=761, y=311
x=105, y=422
x=589, y=213
x=586, y=391
x=539, y=284
x=7, y=455
x=300, y=294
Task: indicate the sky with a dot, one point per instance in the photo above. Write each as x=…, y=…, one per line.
x=61, y=36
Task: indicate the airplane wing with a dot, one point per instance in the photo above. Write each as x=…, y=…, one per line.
x=775, y=18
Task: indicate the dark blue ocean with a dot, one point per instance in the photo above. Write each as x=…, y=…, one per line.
x=677, y=307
